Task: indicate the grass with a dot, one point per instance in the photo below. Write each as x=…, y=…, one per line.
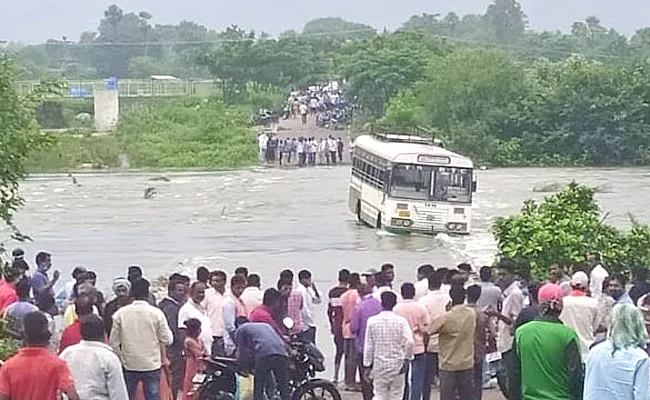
x=185, y=133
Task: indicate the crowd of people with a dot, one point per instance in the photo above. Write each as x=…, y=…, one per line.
x=577, y=337
x=326, y=104
x=303, y=151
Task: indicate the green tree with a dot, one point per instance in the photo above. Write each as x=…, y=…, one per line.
x=19, y=136
x=338, y=28
x=563, y=228
x=507, y=19
x=379, y=69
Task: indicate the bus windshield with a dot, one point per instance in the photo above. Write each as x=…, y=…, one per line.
x=423, y=182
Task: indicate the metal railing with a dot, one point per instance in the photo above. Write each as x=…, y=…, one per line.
x=132, y=88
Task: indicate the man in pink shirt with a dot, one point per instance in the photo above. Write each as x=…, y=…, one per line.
x=349, y=301
x=418, y=318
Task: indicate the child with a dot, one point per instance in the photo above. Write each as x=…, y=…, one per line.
x=194, y=351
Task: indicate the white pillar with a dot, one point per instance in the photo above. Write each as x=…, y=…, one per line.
x=107, y=109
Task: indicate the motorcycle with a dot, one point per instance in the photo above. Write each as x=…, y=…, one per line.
x=219, y=380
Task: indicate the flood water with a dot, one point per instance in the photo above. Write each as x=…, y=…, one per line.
x=271, y=219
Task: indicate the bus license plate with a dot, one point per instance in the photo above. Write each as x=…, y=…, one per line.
x=404, y=214
x=198, y=379
x=431, y=218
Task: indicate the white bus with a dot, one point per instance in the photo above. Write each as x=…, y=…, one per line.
x=408, y=183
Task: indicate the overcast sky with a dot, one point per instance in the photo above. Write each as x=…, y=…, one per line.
x=31, y=21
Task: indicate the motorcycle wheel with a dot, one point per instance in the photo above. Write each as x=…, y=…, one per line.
x=317, y=390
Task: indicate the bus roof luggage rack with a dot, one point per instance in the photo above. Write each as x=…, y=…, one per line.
x=402, y=137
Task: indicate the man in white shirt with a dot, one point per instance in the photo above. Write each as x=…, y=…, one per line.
x=383, y=285
x=598, y=274
x=422, y=285
x=310, y=297
x=139, y=331
x=213, y=303
x=436, y=301
x=387, y=350
x=581, y=312
x=262, y=139
x=513, y=303
x=253, y=295
x=193, y=308
x=233, y=308
x=96, y=369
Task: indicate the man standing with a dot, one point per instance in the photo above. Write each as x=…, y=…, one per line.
x=8, y=293
x=581, y=312
x=616, y=289
x=490, y=293
x=368, y=306
x=253, y=295
x=139, y=330
x=310, y=297
x=193, y=308
x=65, y=293
x=435, y=301
x=213, y=303
x=483, y=336
x=349, y=301
x=171, y=306
x=335, y=316
x=233, y=308
x=598, y=274
x=369, y=276
x=640, y=287
x=269, y=310
x=422, y=285
x=417, y=316
x=265, y=351
x=96, y=369
x=512, y=305
x=34, y=373
x=456, y=331
x=387, y=350
x=41, y=282
x=545, y=368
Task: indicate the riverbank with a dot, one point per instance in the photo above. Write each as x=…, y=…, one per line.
x=188, y=133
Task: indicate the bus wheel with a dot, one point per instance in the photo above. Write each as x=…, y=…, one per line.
x=378, y=221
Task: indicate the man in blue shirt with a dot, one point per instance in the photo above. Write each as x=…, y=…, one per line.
x=41, y=282
x=261, y=346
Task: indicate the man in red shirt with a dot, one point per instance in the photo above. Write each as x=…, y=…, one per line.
x=8, y=295
x=269, y=310
x=34, y=373
x=72, y=334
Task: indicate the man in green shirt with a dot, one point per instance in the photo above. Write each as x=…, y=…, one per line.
x=548, y=364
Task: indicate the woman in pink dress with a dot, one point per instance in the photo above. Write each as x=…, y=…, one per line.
x=194, y=352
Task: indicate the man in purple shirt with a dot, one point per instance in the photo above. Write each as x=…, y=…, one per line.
x=368, y=306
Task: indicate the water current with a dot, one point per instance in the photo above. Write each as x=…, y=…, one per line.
x=271, y=219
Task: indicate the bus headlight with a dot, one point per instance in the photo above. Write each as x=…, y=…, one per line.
x=457, y=226
x=401, y=222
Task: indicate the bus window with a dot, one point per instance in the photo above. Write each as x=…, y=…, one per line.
x=453, y=184
x=411, y=182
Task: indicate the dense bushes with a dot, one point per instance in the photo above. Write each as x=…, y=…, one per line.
x=187, y=134
x=563, y=228
x=504, y=112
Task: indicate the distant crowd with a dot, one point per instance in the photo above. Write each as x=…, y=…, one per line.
x=327, y=104
x=300, y=151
